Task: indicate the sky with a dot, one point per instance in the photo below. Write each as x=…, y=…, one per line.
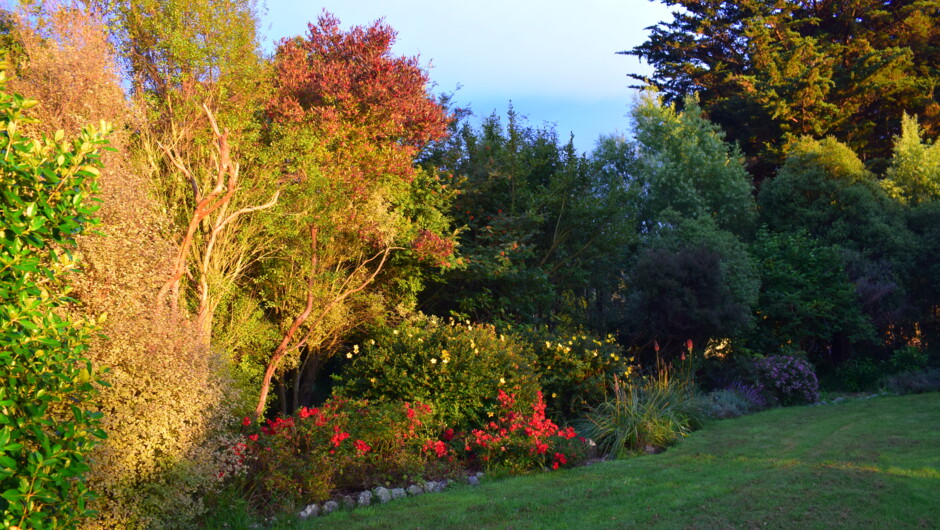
x=555, y=61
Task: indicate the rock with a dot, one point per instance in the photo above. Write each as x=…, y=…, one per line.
x=382, y=494
x=398, y=493
x=473, y=480
x=480, y=475
x=414, y=490
x=311, y=510
x=348, y=502
x=365, y=498
x=330, y=507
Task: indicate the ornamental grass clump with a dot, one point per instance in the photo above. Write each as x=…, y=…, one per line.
x=644, y=414
x=787, y=380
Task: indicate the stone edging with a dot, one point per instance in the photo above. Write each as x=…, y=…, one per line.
x=380, y=495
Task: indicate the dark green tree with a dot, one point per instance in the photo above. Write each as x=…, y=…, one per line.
x=540, y=223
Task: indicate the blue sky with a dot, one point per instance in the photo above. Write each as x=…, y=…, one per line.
x=554, y=60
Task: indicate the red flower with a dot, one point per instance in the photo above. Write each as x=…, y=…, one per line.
x=448, y=434
x=253, y=437
x=246, y=422
x=656, y=346
x=688, y=345
x=339, y=436
x=362, y=447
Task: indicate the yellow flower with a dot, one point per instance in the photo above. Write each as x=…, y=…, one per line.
x=355, y=348
x=349, y=355
x=433, y=360
x=394, y=332
x=502, y=380
x=372, y=380
x=490, y=414
x=554, y=395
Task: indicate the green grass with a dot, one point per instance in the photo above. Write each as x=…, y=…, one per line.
x=862, y=464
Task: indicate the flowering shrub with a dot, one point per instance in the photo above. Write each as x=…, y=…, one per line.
x=788, y=380
x=517, y=440
x=574, y=370
x=342, y=445
x=456, y=367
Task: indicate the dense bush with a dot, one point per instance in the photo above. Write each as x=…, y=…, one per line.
x=342, y=445
x=168, y=406
x=644, y=414
x=47, y=426
x=735, y=400
x=456, y=367
x=518, y=441
x=912, y=382
x=575, y=370
x=788, y=380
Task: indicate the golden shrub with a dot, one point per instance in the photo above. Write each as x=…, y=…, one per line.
x=170, y=402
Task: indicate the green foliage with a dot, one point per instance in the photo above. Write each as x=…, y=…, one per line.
x=824, y=189
x=807, y=301
x=769, y=73
x=683, y=164
x=914, y=174
x=47, y=423
x=544, y=229
x=455, y=367
x=694, y=281
x=644, y=414
x=574, y=371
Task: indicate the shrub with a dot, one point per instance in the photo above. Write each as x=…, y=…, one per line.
x=858, y=375
x=46, y=426
x=456, y=367
x=644, y=414
x=574, y=370
x=342, y=445
x=908, y=359
x=788, y=380
x=517, y=441
x=912, y=382
x=736, y=400
x=167, y=409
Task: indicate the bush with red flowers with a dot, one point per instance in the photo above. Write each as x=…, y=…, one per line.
x=341, y=445
x=521, y=438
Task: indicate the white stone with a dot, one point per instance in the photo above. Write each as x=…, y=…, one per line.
x=311, y=510
x=365, y=498
x=383, y=494
x=414, y=490
x=330, y=507
x=399, y=493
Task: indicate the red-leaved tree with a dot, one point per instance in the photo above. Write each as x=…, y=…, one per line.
x=347, y=120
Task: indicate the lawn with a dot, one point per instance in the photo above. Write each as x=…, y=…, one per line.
x=861, y=464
